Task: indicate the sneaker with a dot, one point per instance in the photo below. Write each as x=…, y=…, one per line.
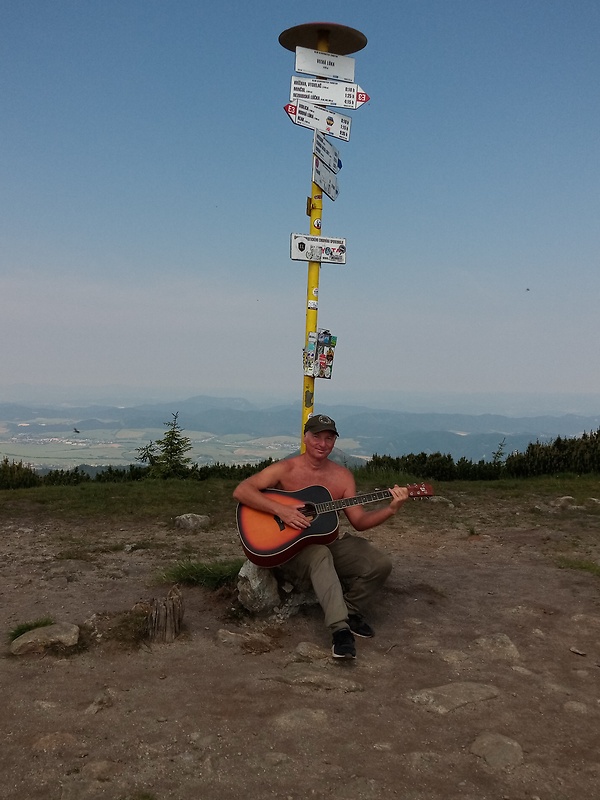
x=343, y=644
x=360, y=627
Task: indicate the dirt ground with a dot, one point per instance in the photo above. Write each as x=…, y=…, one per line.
x=482, y=682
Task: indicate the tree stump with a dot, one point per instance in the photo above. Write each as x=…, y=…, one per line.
x=166, y=617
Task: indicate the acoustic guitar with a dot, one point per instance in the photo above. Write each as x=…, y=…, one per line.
x=268, y=542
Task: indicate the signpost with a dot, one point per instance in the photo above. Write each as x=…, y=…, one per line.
x=327, y=93
x=322, y=50
x=319, y=119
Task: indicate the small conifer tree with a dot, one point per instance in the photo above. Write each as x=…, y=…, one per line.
x=167, y=457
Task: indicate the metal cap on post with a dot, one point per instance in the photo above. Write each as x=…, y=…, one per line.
x=340, y=38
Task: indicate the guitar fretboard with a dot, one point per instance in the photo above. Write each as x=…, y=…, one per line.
x=359, y=500
x=415, y=492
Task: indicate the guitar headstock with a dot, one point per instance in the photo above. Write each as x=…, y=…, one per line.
x=419, y=490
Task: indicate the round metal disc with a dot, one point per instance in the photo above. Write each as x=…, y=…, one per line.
x=340, y=39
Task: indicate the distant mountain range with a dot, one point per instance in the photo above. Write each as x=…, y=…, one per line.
x=393, y=433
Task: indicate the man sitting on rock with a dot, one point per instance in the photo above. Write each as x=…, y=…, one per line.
x=347, y=572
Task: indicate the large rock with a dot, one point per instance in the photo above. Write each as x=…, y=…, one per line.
x=260, y=593
x=192, y=522
x=258, y=590
x=38, y=639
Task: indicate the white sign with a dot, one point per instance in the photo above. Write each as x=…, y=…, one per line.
x=328, y=154
x=325, y=178
x=329, y=65
x=328, y=93
x=319, y=119
x=317, y=248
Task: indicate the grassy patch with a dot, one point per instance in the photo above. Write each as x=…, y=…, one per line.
x=129, y=502
x=584, y=565
x=24, y=627
x=197, y=573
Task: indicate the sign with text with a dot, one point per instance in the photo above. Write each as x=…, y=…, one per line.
x=325, y=178
x=320, y=119
x=329, y=65
x=327, y=93
x=328, y=154
x=317, y=248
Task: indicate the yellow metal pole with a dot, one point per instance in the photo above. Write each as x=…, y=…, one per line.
x=315, y=210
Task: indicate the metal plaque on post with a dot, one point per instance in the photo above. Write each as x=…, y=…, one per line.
x=328, y=154
x=325, y=178
x=319, y=119
x=317, y=248
x=329, y=65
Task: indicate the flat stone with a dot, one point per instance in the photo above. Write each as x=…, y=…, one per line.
x=443, y=699
x=498, y=646
x=298, y=675
x=498, y=751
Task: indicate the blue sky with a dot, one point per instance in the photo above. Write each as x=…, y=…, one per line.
x=151, y=180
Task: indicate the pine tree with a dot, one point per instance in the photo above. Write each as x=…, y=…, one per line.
x=166, y=457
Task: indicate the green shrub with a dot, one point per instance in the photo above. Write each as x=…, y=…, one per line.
x=16, y=475
x=196, y=573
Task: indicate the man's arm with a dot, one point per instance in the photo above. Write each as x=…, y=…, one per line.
x=250, y=493
x=362, y=520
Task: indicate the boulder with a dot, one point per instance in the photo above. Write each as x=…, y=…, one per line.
x=192, y=522
x=38, y=639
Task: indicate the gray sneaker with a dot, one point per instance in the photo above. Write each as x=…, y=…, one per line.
x=343, y=644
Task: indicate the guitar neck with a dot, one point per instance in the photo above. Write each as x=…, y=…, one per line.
x=415, y=492
x=358, y=500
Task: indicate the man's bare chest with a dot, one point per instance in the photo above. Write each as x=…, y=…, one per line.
x=300, y=478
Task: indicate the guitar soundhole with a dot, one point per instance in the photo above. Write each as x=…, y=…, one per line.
x=280, y=522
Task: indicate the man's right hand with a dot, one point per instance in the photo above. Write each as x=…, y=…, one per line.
x=292, y=516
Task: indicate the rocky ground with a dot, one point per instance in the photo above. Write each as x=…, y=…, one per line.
x=483, y=681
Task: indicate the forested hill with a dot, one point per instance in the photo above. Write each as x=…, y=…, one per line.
x=371, y=430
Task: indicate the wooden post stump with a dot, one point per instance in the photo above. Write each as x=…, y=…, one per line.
x=166, y=617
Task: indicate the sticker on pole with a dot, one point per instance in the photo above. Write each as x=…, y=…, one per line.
x=317, y=248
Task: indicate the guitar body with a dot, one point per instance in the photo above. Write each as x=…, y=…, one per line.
x=267, y=542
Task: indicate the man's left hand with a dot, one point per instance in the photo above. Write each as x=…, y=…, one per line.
x=399, y=497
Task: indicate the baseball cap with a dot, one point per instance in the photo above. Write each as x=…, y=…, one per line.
x=319, y=423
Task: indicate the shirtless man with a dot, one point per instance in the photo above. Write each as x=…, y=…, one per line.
x=346, y=573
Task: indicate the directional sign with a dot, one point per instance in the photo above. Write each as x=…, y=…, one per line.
x=328, y=93
x=326, y=152
x=316, y=248
x=325, y=178
x=319, y=119
x=329, y=65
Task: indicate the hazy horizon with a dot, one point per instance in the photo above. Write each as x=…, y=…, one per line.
x=506, y=404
